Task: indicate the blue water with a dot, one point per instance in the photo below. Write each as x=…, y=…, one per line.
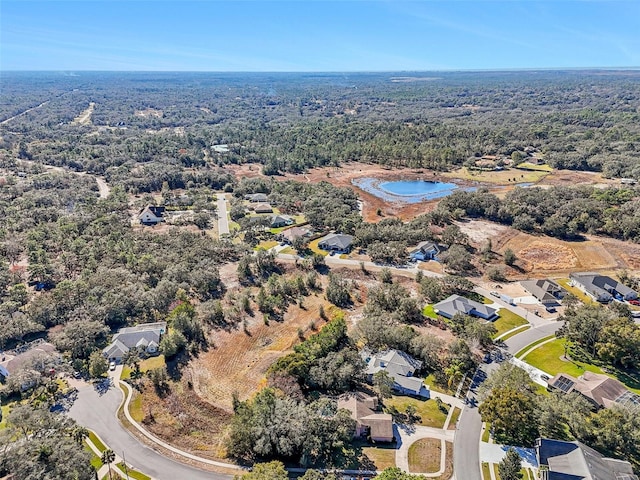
x=417, y=188
x=407, y=191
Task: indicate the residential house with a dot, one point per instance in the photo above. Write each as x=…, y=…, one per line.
x=424, y=251
x=560, y=460
x=336, y=242
x=457, y=304
x=546, y=291
x=628, y=181
x=11, y=362
x=278, y=221
x=151, y=215
x=290, y=234
x=602, y=391
x=257, y=197
x=602, y=288
x=370, y=422
x=401, y=367
x=262, y=208
x=144, y=337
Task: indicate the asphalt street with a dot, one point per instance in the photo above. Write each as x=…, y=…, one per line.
x=96, y=409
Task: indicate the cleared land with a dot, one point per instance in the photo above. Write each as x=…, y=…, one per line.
x=85, y=117
x=500, y=177
x=424, y=456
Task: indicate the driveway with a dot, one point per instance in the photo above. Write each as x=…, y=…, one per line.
x=407, y=435
x=223, y=220
x=95, y=408
x=494, y=453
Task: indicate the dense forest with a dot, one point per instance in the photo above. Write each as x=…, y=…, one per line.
x=155, y=124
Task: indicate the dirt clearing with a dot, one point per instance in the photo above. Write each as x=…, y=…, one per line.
x=85, y=117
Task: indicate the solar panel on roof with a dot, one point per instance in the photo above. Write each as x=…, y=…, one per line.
x=564, y=384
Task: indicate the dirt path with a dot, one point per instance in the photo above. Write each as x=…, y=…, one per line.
x=103, y=188
x=24, y=112
x=85, y=117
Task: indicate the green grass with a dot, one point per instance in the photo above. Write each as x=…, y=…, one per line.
x=428, y=311
x=523, y=328
x=5, y=414
x=454, y=418
x=533, y=344
x=152, y=363
x=583, y=297
x=95, y=460
x=486, y=472
x=430, y=381
x=382, y=457
x=495, y=470
x=266, y=244
x=533, y=167
x=135, y=408
x=486, y=434
x=428, y=411
x=501, y=177
x=313, y=246
x=96, y=441
x=507, y=321
x=133, y=473
x=288, y=251
x=547, y=358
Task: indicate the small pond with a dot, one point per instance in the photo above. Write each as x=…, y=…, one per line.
x=408, y=191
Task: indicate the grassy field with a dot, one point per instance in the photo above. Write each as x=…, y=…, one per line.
x=486, y=433
x=5, y=414
x=507, y=321
x=454, y=418
x=547, y=358
x=266, y=244
x=132, y=473
x=382, y=457
x=502, y=177
x=288, y=251
x=430, y=381
x=486, y=471
x=313, y=246
x=152, y=363
x=428, y=411
x=495, y=470
x=95, y=460
x=531, y=167
x=429, y=312
x=583, y=297
x=99, y=445
x=424, y=456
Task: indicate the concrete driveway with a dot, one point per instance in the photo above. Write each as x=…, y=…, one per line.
x=96, y=407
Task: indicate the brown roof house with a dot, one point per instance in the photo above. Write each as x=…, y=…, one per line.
x=560, y=460
x=290, y=234
x=601, y=390
x=261, y=208
x=370, y=423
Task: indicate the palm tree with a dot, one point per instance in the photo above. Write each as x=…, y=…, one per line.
x=108, y=457
x=454, y=372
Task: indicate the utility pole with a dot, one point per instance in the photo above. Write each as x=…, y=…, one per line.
x=124, y=463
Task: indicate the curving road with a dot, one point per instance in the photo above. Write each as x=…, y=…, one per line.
x=96, y=410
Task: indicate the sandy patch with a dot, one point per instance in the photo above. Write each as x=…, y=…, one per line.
x=541, y=255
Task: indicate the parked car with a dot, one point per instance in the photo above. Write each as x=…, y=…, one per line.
x=634, y=302
x=495, y=294
x=545, y=377
x=112, y=366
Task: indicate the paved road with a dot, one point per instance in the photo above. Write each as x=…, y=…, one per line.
x=97, y=411
x=466, y=446
x=223, y=220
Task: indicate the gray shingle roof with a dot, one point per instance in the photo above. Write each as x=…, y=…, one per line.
x=545, y=290
x=457, y=304
x=336, y=241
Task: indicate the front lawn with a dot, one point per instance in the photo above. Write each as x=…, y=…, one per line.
x=266, y=244
x=428, y=411
x=152, y=363
x=454, y=418
x=132, y=473
x=313, y=246
x=382, y=457
x=5, y=414
x=507, y=321
x=424, y=456
x=98, y=444
x=428, y=311
x=547, y=358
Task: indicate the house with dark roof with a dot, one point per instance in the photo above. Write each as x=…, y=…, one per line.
x=290, y=234
x=602, y=391
x=449, y=307
x=370, y=422
x=278, y=221
x=336, y=242
x=560, y=460
x=145, y=338
x=26, y=355
x=151, y=215
x=401, y=367
x=546, y=291
x=602, y=288
x=257, y=197
x=424, y=251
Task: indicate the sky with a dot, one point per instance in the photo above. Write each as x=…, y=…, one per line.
x=317, y=35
